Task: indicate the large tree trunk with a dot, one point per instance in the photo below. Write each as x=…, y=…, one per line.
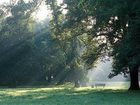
x=134, y=78
x=49, y=79
x=77, y=83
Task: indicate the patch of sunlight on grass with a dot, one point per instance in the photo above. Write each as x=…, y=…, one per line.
x=61, y=95
x=116, y=88
x=15, y=94
x=66, y=85
x=89, y=88
x=40, y=97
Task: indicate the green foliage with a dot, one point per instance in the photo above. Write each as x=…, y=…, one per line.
x=115, y=26
x=68, y=45
x=17, y=65
x=112, y=18
x=64, y=51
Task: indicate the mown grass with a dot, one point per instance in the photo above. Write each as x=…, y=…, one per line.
x=68, y=96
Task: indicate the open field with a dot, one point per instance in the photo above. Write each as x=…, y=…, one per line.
x=68, y=96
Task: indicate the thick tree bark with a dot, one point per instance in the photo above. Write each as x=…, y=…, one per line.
x=134, y=78
x=49, y=79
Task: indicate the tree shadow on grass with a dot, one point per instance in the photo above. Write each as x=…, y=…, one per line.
x=71, y=96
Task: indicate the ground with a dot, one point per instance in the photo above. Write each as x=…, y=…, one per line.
x=68, y=96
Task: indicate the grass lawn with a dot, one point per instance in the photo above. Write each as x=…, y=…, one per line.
x=68, y=96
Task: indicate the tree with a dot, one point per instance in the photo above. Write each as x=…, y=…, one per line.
x=71, y=70
x=16, y=64
x=116, y=22
x=123, y=37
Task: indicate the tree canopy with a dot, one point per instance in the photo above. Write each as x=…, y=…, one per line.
x=115, y=24
x=79, y=33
